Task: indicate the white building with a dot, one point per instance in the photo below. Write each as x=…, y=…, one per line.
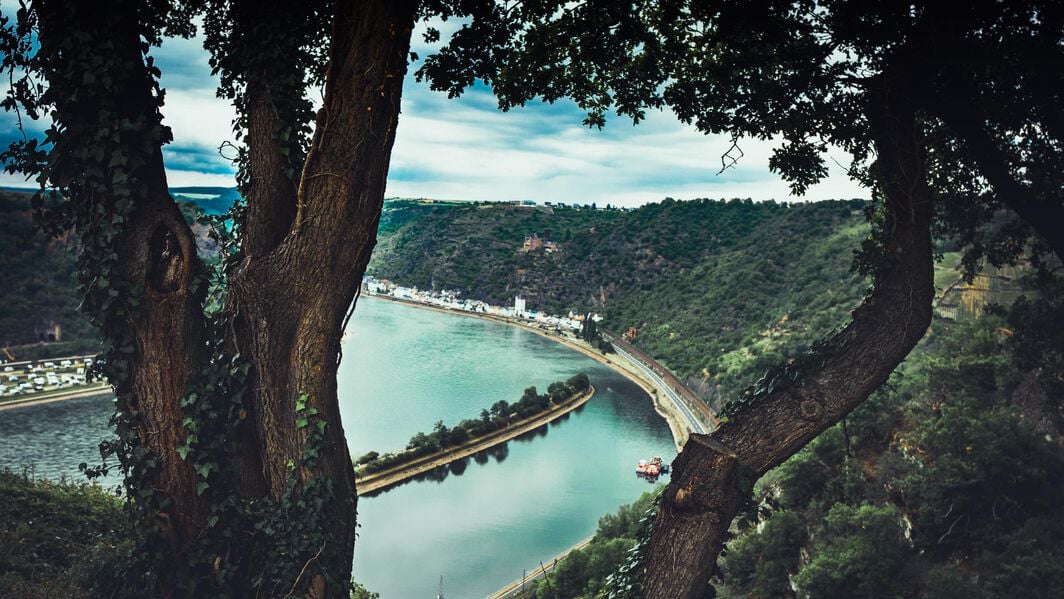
x=519, y=306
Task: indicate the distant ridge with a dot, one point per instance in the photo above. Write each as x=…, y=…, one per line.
x=212, y=200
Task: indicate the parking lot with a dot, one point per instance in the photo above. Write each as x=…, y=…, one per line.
x=20, y=379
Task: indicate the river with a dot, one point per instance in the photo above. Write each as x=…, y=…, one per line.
x=488, y=519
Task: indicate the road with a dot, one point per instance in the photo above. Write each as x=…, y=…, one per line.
x=693, y=422
x=514, y=588
x=651, y=370
x=36, y=399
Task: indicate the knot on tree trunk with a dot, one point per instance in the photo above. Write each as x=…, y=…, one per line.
x=810, y=406
x=166, y=261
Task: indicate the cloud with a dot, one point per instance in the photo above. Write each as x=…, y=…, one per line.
x=200, y=121
x=466, y=148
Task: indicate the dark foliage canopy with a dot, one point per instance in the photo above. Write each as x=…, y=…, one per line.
x=984, y=77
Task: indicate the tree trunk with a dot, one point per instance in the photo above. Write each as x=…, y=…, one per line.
x=713, y=474
x=153, y=247
x=306, y=249
x=290, y=298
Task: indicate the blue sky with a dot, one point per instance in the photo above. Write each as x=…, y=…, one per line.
x=467, y=149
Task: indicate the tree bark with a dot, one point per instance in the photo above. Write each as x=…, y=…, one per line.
x=707, y=486
x=290, y=302
x=305, y=251
x=156, y=247
x=270, y=194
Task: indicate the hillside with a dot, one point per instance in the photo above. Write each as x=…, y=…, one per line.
x=946, y=484
x=40, y=283
x=718, y=290
x=40, y=277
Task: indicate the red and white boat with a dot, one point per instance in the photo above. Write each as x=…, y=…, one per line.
x=651, y=469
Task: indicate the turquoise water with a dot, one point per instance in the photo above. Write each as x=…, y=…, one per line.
x=480, y=522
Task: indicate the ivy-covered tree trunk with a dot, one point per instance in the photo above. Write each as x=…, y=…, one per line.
x=229, y=425
x=290, y=296
x=138, y=264
x=714, y=473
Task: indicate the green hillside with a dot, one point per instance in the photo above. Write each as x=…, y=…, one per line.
x=718, y=290
x=40, y=284
x=946, y=484
x=40, y=278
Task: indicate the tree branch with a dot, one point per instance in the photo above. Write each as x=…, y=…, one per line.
x=1041, y=214
x=713, y=473
x=270, y=193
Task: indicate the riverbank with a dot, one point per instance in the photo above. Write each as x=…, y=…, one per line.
x=517, y=587
x=673, y=415
x=99, y=390
x=379, y=481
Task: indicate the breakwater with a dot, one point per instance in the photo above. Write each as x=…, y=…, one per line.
x=380, y=481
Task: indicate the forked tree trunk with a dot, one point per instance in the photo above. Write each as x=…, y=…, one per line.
x=714, y=472
x=305, y=250
x=290, y=301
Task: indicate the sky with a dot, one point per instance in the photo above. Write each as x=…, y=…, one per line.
x=466, y=149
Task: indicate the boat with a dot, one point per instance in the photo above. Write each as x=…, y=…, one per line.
x=651, y=469
x=662, y=466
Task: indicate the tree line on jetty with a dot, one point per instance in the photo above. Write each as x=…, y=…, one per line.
x=500, y=415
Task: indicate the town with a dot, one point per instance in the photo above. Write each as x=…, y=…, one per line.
x=452, y=300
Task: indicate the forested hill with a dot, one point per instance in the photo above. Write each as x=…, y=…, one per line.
x=39, y=294
x=948, y=483
x=718, y=290
x=39, y=284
